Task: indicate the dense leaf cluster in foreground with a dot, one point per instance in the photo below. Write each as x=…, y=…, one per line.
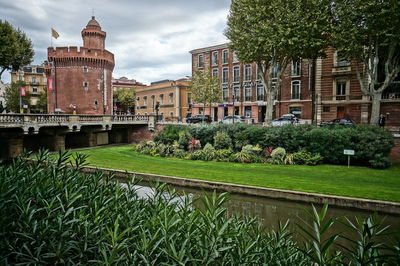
x=54, y=214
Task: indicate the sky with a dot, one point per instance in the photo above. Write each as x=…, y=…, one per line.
x=150, y=39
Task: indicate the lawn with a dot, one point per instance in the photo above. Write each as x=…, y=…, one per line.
x=361, y=182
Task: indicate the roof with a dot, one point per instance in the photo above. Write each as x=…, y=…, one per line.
x=93, y=23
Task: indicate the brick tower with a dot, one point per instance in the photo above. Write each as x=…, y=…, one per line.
x=81, y=75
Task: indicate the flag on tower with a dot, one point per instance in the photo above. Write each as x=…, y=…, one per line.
x=54, y=33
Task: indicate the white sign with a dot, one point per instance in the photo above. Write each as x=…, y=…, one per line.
x=25, y=106
x=348, y=152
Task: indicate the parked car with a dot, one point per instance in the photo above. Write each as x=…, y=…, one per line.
x=230, y=119
x=338, y=121
x=286, y=119
x=198, y=119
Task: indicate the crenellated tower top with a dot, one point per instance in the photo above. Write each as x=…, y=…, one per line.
x=93, y=37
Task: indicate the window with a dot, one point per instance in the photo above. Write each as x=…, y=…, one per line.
x=171, y=98
x=225, y=94
x=189, y=98
x=145, y=101
x=341, y=88
x=296, y=90
x=33, y=80
x=235, y=58
x=200, y=60
x=341, y=60
x=85, y=69
x=326, y=109
x=215, y=72
x=296, y=110
x=225, y=75
x=20, y=78
x=247, y=72
x=274, y=72
x=247, y=111
x=236, y=93
x=260, y=92
x=171, y=114
x=225, y=56
x=161, y=98
x=153, y=100
x=236, y=74
x=34, y=90
x=247, y=94
x=86, y=84
x=296, y=68
x=138, y=101
x=215, y=58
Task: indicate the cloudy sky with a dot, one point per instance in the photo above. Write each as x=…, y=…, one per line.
x=150, y=39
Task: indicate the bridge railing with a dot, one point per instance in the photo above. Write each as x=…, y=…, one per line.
x=63, y=118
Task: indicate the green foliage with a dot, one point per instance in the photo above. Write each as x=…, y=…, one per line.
x=222, y=140
x=208, y=148
x=12, y=95
x=250, y=149
x=329, y=143
x=205, y=88
x=184, y=139
x=307, y=158
x=278, y=154
x=125, y=98
x=380, y=162
x=273, y=33
x=316, y=233
x=42, y=102
x=169, y=134
x=15, y=48
x=55, y=214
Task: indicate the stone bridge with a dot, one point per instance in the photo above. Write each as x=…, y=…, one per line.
x=54, y=132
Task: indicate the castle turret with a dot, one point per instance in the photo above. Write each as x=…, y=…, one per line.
x=81, y=75
x=93, y=36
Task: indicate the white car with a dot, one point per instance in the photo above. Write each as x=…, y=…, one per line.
x=286, y=119
x=234, y=119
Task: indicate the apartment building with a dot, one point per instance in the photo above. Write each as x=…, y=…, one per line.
x=242, y=91
x=36, y=82
x=313, y=90
x=171, y=96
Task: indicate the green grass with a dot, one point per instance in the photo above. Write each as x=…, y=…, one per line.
x=360, y=182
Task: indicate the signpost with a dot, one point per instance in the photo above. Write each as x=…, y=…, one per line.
x=348, y=153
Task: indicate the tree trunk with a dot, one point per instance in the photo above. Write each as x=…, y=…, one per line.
x=270, y=108
x=376, y=107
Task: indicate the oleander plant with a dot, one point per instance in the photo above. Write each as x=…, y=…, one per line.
x=54, y=213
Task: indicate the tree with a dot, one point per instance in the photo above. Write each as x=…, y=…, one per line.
x=12, y=96
x=205, y=88
x=368, y=31
x=42, y=102
x=274, y=33
x=15, y=48
x=125, y=98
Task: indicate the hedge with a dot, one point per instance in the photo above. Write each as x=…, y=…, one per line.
x=372, y=144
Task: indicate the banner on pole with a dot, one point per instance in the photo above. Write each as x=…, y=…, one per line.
x=50, y=84
x=23, y=91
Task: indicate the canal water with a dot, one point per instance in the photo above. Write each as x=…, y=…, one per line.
x=270, y=211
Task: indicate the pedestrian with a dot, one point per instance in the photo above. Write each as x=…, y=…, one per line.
x=382, y=120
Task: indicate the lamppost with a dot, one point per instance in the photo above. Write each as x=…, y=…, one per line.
x=233, y=101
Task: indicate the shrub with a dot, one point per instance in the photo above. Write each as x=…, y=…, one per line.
x=254, y=150
x=241, y=157
x=278, y=154
x=307, y=158
x=184, y=139
x=222, y=141
x=194, y=144
x=169, y=134
x=380, y=162
x=208, y=148
x=179, y=153
x=222, y=155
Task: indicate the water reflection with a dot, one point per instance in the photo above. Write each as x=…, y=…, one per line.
x=268, y=211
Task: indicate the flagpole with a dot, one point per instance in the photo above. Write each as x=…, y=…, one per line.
x=51, y=38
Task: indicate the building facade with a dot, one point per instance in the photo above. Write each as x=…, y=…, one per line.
x=35, y=81
x=124, y=83
x=242, y=91
x=313, y=90
x=172, y=97
x=81, y=76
